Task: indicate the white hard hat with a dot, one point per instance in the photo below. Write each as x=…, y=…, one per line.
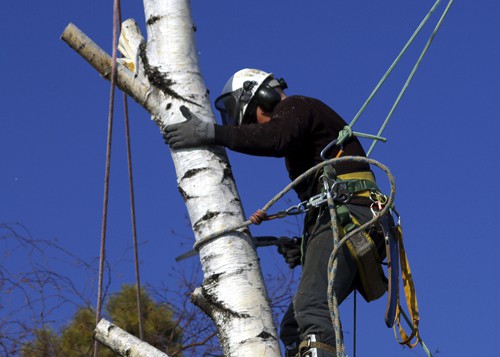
x=237, y=94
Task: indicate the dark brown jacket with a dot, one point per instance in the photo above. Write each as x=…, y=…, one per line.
x=299, y=130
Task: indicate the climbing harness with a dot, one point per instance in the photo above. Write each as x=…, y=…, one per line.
x=382, y=205
x=316, y=201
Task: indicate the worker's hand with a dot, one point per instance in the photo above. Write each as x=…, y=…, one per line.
x=191, y=133
x=291, y=252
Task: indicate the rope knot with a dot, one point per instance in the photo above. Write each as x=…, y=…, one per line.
x=344, y=134
x=258, y=217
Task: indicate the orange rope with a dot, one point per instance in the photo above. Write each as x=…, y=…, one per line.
x=258, y=217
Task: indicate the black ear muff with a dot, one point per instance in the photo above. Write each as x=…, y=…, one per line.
x=267, y=98
x=283, y=84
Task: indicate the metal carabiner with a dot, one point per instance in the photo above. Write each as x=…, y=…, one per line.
x=379, y=208
x=340, y=192
x=295, y=210
x=317, y=200
x=376, y=196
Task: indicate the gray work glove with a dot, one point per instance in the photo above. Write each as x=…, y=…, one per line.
x=191, y=133
x=291, y=251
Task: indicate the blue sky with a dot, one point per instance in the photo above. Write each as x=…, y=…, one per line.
x=443, y=141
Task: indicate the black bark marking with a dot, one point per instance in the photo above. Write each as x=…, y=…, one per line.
x=184, y=194
x=153, y=19
x=159, y=79
x=266, y=336
x=212, y=279
x=227, y=173
x=208, y=216
x=193, y=172
x=217, y=305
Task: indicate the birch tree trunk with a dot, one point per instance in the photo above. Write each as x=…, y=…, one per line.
x=167, y=75
x=233, y=292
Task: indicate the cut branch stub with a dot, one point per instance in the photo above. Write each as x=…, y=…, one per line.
x=136, y=87
x=123, y=343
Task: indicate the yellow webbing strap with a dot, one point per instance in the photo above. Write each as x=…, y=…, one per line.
x=361, y=175
x=411, y=299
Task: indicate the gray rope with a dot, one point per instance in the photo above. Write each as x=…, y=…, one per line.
x=204, y=240
x=337, y=244
x=332, y=263
x=332, y=271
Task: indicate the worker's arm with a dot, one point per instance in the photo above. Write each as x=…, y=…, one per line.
x=283, y=135
x=279, y=137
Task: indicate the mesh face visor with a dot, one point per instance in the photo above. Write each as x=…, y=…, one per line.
x=229, y=107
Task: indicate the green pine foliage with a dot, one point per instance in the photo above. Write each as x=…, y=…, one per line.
x=75, y=339
x=45, y=344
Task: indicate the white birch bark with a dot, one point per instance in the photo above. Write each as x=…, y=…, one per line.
x=167, y=76
x=123, y=343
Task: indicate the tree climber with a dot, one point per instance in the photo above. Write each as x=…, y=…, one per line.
x=259, y=119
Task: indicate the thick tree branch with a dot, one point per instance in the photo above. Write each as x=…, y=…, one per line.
x=122, y=342
x=139, y=89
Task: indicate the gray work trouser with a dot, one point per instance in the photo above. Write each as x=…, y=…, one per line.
x=309, y=313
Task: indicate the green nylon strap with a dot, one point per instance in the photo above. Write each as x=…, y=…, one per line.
x=355, y=186
x=344, y=218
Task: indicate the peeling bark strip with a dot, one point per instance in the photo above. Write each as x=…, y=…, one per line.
x=121, y=342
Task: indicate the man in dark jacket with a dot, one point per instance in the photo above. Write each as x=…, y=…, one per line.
x=259, y=119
